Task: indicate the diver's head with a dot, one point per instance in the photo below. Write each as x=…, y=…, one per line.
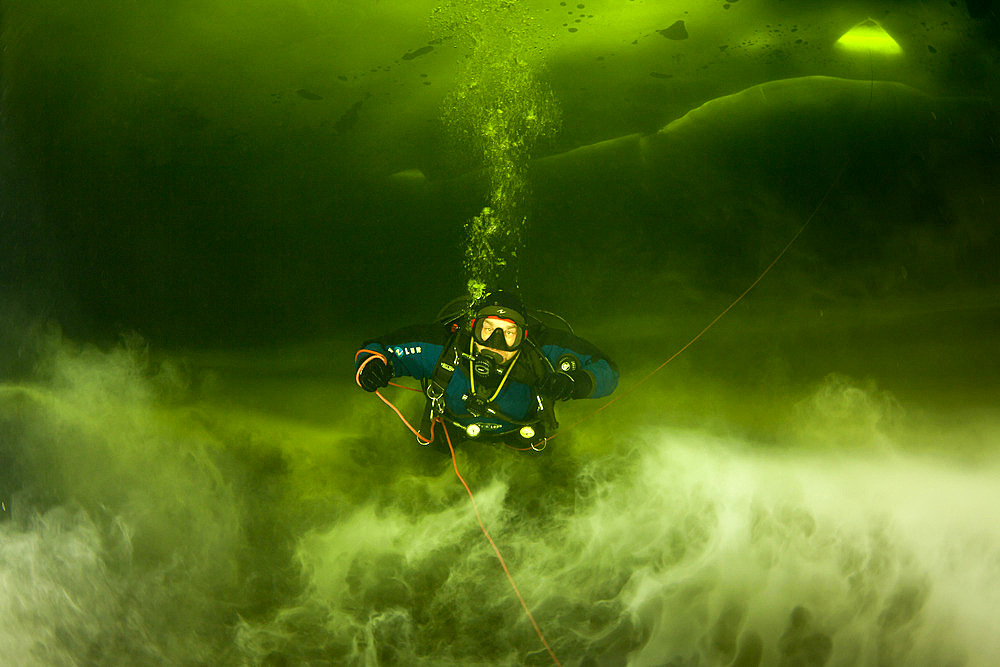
x=499, y=323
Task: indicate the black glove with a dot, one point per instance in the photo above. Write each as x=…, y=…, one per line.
x=557, y=386
x=375, y=374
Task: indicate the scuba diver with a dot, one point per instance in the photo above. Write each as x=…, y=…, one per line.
x=495, y=375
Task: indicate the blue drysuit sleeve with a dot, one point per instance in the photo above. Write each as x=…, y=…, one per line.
x=412, y=351
x=555, y=344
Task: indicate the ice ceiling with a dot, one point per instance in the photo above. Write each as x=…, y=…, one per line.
x=369, y=77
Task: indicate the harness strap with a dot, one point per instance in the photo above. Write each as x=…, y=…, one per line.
x=445, y=368
x=435, y=387
x=545, y=407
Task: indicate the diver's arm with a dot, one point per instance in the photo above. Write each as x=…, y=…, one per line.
x=411, y=351
x=596, y=375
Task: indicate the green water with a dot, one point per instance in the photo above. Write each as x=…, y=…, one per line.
x=207, y=207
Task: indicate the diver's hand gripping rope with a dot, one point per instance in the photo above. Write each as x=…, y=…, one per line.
x=372, y=354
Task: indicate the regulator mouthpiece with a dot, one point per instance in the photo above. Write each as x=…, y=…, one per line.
x=486, y=364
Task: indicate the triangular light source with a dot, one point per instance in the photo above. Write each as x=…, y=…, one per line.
x=869, y=36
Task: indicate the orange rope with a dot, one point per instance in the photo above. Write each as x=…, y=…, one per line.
x=718, y=317
x=377, y=355
x=496, y=550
